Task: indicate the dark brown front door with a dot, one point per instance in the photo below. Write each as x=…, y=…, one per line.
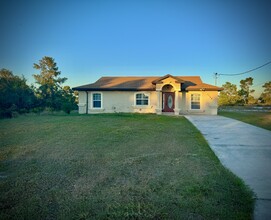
x=168, y=101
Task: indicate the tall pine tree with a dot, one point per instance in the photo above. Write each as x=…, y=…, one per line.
x=49, y=91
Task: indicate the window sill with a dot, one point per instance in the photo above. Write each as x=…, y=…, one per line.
x=96, y=109
x=142, y=106
x=196, y=110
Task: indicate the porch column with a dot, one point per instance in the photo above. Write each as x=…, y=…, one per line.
x=176, y=109
x=87, y=103
x=158, y=106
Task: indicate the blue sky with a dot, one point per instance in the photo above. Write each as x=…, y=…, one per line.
x=90, y=39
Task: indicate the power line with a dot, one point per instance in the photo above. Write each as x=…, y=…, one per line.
x=216, y=75
x=248, y=71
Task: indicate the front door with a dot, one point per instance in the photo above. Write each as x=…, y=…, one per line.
x=168, y=101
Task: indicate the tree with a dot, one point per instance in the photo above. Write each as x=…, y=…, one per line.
x=69, y=100
x=16, y=95
x=245, y=91
x=266, y=95
x=229, y=95
x=49, y=90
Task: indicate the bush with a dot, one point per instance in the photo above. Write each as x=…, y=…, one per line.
x=67, y=107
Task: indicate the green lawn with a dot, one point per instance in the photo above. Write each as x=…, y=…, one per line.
x=114, y=166
x=260, y=119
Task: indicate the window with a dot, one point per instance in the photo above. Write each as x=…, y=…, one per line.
x=96, y=100
x=142, y=99
x=195, y=101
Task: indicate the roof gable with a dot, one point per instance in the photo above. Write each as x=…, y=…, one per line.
x=160, y=80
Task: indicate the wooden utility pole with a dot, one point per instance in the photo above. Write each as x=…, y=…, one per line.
x=216, y=76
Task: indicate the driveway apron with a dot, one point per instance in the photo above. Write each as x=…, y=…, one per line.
x=245, y=150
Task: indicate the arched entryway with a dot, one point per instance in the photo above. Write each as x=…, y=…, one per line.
x=168, y=98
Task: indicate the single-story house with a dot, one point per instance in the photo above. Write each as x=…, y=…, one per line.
x=166, y=94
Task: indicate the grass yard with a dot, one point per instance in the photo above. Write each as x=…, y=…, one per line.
x=114, y=166
x=260, y=119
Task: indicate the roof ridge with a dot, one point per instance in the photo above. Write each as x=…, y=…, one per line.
x=151, y=76
x=136, y=83
x=127, y=76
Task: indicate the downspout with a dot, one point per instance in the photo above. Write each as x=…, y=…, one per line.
x=87, y=103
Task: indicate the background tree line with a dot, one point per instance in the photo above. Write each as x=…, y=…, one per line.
x=18, y=97
x=244, y=96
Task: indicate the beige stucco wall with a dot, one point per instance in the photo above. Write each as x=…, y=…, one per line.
x=208, y=103
x=124, y=101
x=82, y=102
x=114, y=101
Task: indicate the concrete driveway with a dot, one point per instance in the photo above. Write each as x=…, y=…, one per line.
x=245, y=150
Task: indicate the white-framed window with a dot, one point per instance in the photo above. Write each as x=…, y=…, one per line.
x=142, y=99
x=96, y=100
x=195, y=101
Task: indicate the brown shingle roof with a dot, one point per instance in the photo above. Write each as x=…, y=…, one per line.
x=189, y=83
